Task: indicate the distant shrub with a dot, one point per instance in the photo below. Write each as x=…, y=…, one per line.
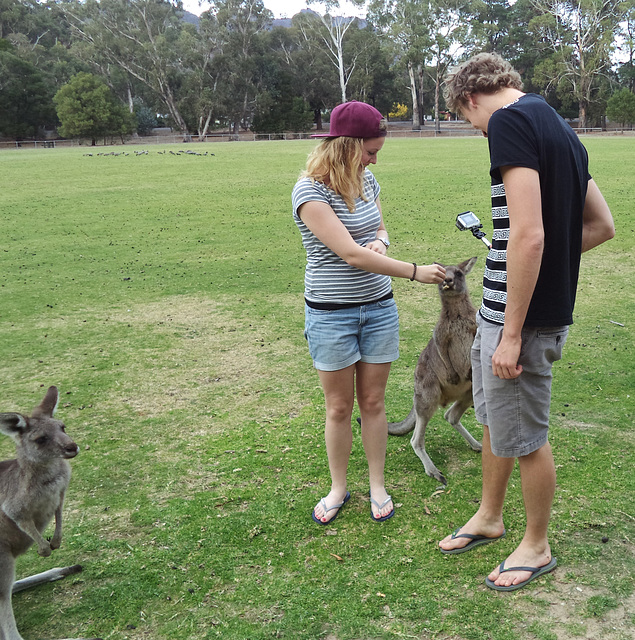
x=399, y=112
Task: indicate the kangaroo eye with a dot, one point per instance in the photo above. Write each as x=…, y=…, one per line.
x=41, y=440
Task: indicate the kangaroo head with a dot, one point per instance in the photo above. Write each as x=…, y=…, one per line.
x=39, y=438
x=454, y=281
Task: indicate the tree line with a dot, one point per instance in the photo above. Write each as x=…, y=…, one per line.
x=96, y=68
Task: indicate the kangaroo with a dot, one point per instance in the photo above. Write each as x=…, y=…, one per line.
x=32, y=489
x=444, y=372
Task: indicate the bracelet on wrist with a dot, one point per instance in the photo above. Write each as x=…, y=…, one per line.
x=414, y=273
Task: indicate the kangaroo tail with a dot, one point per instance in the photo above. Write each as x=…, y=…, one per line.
x=403, y=427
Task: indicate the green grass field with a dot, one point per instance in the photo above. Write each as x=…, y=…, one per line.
x=162, y=294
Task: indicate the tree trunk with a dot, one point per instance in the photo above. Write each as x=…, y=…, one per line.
x=437, y=89
x=130, y=101
x=420, y=92
x=582, y=114
x=340, y=62
x=174, y=111
x=203, y=128
x=416, y=123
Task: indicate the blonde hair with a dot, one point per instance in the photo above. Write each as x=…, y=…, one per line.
x=337, y=163
x=484, y=73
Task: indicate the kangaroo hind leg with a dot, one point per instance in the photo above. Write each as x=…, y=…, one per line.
x=425, y=408
x=454, y=414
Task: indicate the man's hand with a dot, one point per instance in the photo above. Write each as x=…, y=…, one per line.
x=505, y=359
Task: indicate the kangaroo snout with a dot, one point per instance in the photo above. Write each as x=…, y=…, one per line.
x=71, y=450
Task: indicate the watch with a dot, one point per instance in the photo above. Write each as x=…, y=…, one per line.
x=384, y=240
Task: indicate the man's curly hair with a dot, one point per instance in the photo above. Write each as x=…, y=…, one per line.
x=484, y=73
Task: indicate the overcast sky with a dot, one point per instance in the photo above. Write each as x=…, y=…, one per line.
x=280, y=8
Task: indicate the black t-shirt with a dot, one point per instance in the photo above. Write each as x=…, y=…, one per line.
x=529, y=133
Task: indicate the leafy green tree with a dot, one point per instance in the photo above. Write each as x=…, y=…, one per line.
x=40, y=35
x=331, y=30
x=146, y=119
x=87, y=108
x=25, y=96
x=278, y=105
x=405, y=23
x=13, y=16
x=314, y=75
x=626, y=71
x=491, y=23
x=373, y=80
x=447, y=24
x=203, y=92
x=621, y=107
x=141, y=37
x=581, y=35
x=245, y=23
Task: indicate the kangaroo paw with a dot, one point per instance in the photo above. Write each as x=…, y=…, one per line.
x=437, y=475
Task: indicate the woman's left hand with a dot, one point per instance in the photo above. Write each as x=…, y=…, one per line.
x=377, y=246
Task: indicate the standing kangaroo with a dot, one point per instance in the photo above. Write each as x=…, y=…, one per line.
x=32, y=491
x=444, y=372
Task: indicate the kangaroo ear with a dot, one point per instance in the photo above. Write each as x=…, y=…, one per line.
x=466, y=266
x=48, y=406
x=12, y=423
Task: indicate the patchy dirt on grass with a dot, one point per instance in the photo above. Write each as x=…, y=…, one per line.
x=615, y=624
x=567, y=613
x=217, y=363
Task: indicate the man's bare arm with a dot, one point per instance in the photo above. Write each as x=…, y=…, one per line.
x=524, y=256
x=598, y=226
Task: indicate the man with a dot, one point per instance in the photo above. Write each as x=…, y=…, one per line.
x=546, y=211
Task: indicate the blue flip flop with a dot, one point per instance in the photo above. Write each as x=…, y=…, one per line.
x=535, y=573
x=475, y=541
x=380, y=507
x=347, y=497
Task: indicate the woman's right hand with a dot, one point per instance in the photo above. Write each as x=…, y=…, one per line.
x=430, y=274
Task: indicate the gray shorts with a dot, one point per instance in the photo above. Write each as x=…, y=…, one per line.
x=516, y=411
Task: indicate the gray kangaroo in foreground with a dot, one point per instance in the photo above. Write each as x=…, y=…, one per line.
x=444, y=371
x=32, y=488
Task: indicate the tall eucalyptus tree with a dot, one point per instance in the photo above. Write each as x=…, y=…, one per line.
x=315, y=76
x=245, y=23
x=141, y=37
x=331, y=30
x=204, y=90
x=406, y=24
x=448, y=25
x=627, y=45
x=581, y=35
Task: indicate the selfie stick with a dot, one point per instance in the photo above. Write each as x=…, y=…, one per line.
x=481, y=236
x=468, y=220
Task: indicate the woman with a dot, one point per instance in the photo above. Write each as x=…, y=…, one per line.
x=352, y=325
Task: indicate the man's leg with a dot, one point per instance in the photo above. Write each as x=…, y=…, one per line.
x=488, y=520
x=538, y=478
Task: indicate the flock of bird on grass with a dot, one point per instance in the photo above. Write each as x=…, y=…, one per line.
x=145, y=153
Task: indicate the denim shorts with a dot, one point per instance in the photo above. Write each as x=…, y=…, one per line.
x=340, y=338
x=516, y=411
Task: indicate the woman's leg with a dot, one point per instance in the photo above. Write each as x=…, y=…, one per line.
x=339, y=395
x=371, y=391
